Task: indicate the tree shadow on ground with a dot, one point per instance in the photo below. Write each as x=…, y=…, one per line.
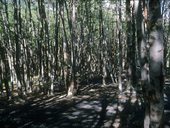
x=94, y=107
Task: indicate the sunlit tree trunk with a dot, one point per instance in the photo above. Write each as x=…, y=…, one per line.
x=65, y=48
x=102, y=44
x=72, y=90
x=153, y=71
x=119, y=34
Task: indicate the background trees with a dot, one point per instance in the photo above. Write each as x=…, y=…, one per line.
x=61, y=45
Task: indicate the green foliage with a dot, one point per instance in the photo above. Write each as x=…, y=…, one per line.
x=95, y=37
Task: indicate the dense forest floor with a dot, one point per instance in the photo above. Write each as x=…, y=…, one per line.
x=94, y=107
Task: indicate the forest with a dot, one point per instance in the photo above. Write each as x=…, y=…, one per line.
x=84, y=63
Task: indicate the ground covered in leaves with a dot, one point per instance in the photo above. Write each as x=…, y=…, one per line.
x=94, y=107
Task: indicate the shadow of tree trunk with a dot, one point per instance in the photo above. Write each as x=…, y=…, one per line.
x=104, y=104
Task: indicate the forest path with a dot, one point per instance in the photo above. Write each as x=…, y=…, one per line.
x=94, y=107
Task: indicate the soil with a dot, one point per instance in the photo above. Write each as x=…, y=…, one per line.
x=94, y=107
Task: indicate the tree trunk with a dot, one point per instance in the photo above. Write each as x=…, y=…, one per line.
x=119, y=34
x=72, y=90
x=17, y=47
x=129, y=43
x=155, y=78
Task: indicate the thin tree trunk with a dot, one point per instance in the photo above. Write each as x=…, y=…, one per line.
x=17, y=47
x=66, y=59
x=72, y=90
x=129, y=43
x=119, y=21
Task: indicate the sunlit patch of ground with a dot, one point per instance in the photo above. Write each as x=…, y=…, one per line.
x=94, y=107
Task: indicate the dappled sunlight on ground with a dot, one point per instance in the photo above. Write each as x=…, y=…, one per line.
x=94, y=107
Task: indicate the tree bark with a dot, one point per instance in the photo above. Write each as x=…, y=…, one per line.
x=154, y=89
x=72, y=90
